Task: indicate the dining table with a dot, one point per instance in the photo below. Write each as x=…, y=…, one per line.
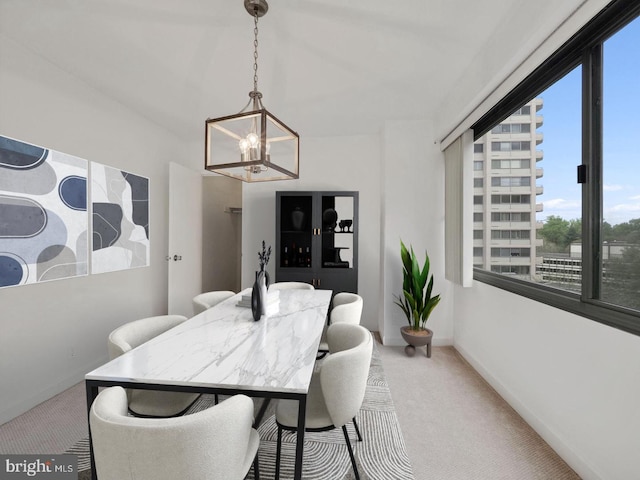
x=224, y=351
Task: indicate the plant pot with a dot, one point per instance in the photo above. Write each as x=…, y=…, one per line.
x=415, y=339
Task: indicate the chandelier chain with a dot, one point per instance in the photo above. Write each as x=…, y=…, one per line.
x=255, y=51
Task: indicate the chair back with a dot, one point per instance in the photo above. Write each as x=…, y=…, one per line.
x=347, y=308
x=132, y=334
x=206, y=300
x=217, y=443
x=343, y=375
x=291, y=285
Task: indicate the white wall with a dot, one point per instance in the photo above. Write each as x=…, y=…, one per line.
x=577, y=382
x=413, y=189
x=52, y=333
x=335, y=163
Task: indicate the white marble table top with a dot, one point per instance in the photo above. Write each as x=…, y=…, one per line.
x=224, y=348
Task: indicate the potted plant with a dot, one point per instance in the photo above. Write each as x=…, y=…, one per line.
x=416, y=300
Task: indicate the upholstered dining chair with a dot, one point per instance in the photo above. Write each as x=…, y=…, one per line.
x=347, y=308
x=337, y=388
x=207, y=300
x=290, y=285
x=217, y=443
x=149, y=403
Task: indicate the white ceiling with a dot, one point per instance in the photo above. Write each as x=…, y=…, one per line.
x=326, y=67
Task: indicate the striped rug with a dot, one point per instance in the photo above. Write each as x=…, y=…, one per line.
x=380, y=456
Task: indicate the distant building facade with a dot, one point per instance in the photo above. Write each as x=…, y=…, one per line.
x=505, y=193
x=566, y=269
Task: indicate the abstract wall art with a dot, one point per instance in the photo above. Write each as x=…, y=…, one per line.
x=120, y=219
x=43, y=214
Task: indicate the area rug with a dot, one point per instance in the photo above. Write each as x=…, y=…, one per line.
x=380, y=456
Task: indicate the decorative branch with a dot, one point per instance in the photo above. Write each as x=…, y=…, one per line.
x=264, y=256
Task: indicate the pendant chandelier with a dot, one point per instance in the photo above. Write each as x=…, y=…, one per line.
x=252, y=145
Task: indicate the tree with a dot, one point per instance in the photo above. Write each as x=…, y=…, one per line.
x=621, y=284
x=622, y=232
x=574, y=232
x=558, y=233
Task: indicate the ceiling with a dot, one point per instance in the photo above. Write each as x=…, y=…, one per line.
x=326, y=67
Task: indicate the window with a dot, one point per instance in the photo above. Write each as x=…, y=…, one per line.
x=620, y=267
x=510, y=234
x=511, y=128
x=478, y=216
x=478, y=234
x=477, y=251
x=510, y=217
x=510, y=269
x=510, y=252
x=510, y=199
x=478, y=165
x=478, y=148
x=511, y=163
x=526, y=110
x=478, y=199
x=510, y=181
x=585, y=254
x=478, y=182
x=510, y=146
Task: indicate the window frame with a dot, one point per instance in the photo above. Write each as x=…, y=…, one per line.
x=584, y=48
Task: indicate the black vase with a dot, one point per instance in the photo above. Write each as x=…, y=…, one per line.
x=256, y=302
x=297, y=219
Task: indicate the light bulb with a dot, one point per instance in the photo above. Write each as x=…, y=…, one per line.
x=244, y=145
x=253, y=139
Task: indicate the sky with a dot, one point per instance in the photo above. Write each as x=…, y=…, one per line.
x=561, y=128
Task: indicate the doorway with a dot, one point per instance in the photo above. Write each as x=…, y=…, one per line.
x=221, y=233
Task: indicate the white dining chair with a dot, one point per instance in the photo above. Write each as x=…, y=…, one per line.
x=347, y=308
x=290, y=285
x=337, y=388
x=218, y=443
x=206, y=300
x=150, y=403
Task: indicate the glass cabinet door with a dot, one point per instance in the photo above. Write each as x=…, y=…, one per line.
x=296, y=231
x=337, y=237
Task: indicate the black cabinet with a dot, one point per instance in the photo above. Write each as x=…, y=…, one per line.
x=317, y=239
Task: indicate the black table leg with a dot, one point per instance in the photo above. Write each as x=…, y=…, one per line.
x=302, y=410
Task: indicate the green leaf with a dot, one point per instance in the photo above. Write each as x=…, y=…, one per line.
x=417, y=303
x=425, y=270
x=431, y=304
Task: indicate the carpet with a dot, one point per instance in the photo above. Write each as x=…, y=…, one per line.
x=380, y=456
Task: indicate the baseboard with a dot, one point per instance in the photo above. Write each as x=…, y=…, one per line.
x=559, y=445
x=25, y=404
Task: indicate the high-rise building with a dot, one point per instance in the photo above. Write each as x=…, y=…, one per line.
x=505, y=192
